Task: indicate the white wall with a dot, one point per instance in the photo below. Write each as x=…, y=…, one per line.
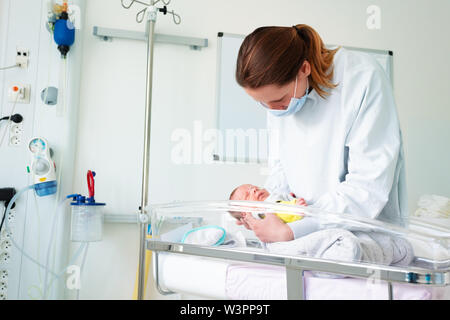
x=110, y=139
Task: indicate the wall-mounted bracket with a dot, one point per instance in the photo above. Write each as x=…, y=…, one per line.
x=108, y=34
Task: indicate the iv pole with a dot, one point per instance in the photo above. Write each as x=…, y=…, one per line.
x=152, y=12
x=151, y=19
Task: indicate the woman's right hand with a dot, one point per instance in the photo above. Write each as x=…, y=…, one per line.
x=269, y=229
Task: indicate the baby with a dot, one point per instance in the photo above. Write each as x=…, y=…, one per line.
x=254, y=193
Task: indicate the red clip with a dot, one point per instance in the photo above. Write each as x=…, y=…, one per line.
x=90, y=182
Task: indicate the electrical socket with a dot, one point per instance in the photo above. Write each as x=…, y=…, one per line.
x=3, y=287
x=15, y=134
x=4, y=257
x=15, y=141
x=3, y=290
x=11, y=216
x=6, y=245
x=16, y=129
x=5, y=235
x=22, y=57
x=4, y=275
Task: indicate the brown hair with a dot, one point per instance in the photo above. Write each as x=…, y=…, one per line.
x=274, y=55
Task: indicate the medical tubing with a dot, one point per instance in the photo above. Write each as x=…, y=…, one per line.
x=71, y=262
x=56, y=215
x=52, y=232
x=81, y=268
x=38, y=247
x=8, y=209
x=62, y=89
x=55, y=219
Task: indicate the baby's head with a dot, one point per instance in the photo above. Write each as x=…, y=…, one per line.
x=249, y=192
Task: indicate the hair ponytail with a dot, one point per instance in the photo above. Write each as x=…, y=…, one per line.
x=274, y=55
x=320, y=58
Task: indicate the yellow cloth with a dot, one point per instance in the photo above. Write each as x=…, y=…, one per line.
x=286, y=217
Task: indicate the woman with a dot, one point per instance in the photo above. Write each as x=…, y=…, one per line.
x=335, y=138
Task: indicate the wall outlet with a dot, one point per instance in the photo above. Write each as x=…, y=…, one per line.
x=6, y=245
x=3, y=275
x=3, y=287
x=11, y=216
x=4, y=257
x=15, y=141
x=16, y=129
x=5, y=234
x=15, y=134
x=3, y=290
x=22, y=57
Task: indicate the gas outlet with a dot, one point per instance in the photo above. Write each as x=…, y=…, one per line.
x=19, y=93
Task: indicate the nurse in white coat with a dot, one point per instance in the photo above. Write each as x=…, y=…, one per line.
x=335, y=138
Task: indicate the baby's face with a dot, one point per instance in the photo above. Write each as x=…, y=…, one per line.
x=251, y=193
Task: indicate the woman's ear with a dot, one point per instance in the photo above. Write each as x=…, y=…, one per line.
x=305, y=70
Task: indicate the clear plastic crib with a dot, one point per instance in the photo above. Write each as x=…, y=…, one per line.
x=240, y=266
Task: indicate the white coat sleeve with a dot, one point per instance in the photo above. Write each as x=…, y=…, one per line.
x=373, y=145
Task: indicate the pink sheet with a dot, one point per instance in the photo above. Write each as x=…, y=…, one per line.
x=260, y=282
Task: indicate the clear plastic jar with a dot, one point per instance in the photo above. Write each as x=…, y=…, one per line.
x=87, y=223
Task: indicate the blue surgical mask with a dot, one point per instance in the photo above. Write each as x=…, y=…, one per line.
x=294, y=105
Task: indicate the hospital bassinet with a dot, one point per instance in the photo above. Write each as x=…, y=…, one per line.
x=244, y=268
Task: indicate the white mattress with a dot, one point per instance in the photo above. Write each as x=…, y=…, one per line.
x=221, y=279
x=204, y=277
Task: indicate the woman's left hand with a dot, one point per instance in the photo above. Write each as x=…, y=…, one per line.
x=269, y=229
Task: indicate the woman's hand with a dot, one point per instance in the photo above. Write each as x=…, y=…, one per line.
x=269, y=229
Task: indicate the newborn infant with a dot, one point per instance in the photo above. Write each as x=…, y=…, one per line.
x=254, y=193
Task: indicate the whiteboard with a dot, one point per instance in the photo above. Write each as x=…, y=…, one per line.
x=241, y=122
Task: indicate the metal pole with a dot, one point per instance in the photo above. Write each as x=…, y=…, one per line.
x=390, y=291
x=146, y=161
x=295, y=283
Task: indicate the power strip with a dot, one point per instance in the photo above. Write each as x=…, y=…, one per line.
x=5, y=255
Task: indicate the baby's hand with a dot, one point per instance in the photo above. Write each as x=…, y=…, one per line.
x=300, y=202
x=241, y=221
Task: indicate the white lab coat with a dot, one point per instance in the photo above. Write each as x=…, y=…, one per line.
x=344, y=153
